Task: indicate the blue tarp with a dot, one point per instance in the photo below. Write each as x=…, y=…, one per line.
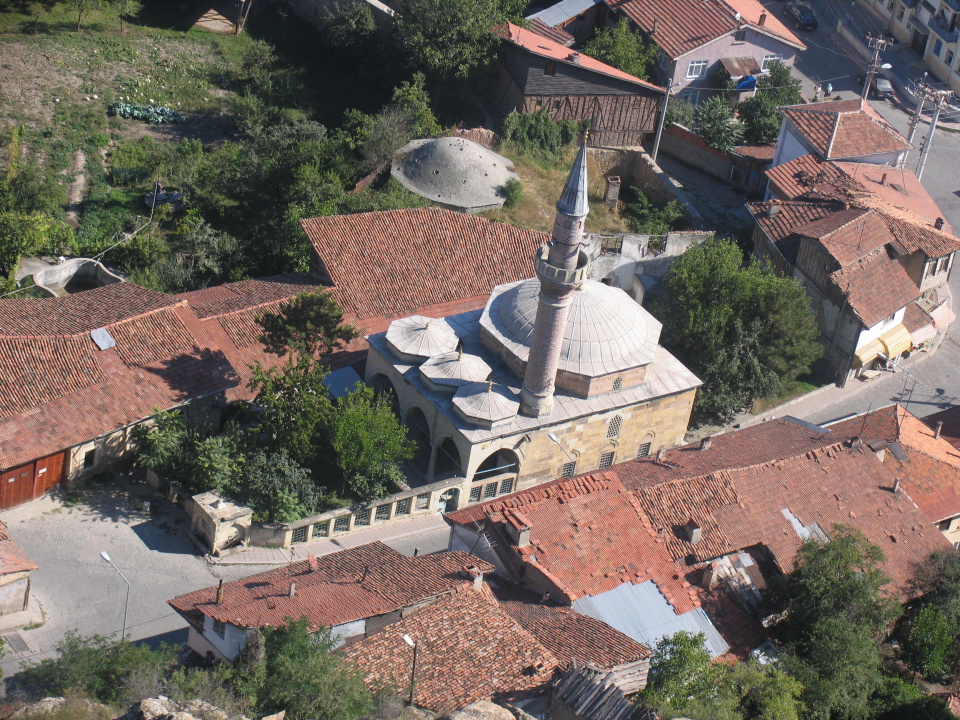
x=748, y=83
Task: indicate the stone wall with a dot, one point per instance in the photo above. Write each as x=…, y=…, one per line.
x=686, y=146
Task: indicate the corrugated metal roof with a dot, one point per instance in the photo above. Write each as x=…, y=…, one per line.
x=563, y=11
x=643, y=613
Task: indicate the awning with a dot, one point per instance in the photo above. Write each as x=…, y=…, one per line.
x=921, y=335
x=919, y=25
x=739, y=67
x=868, y=353
x=895, y=341
x=942, y=316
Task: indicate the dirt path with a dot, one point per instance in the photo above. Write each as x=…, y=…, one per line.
x=77, y=189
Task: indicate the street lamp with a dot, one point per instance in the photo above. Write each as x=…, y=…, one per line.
x=667, y=92
x=413, y=674
x=126, y=602
x=555, y=439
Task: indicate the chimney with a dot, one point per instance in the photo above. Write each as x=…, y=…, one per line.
x=692, y=532
x=883, y=179
x=762, y=20
x=293, y=590
x=896, y=486
x=654, y=31
x=311, y=558
x=518, y=527
x=474, y=573
x=706, y=443
x=856, y=443
x=710, y=576
x=773, y=210
x=220, y=592
x=939, y=223
x=574, y=58
x=939, y=428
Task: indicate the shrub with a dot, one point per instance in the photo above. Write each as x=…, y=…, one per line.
x=681, y=112
x=715, y=124
x=512, y=191
x=538, y=134
x=650, y=219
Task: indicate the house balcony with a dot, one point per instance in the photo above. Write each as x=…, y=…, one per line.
x=942, y=28
x=952, y=4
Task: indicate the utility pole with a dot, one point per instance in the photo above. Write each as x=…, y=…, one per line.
x=915, y=119
x=939, y=98
x=667, y=92
x=878, y=45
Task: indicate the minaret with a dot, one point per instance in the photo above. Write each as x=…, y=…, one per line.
x=561, y=268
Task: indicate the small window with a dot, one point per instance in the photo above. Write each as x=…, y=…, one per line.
x=889, y=320
x=89, y=459
x=550, y=68
x=557, y=104
x=891, y=5
x=768, y=60
x=945, y=525
x=423, y=502
x=219, y=627
x=383, y=512
x=506, y=486
x=362, y=517
x=618, y=384
x=691, y=96
x=299, y=534
x=949, y=58
x=613, y=427
x=937, y=47
x=341, y=524
x=900, y=12
x=643, y=450
x=696, y=68
x=568, y=470
x=475, y=493
x=942, y=265
x=490, y=491
x=930, y=268
x=403, y=506
x=606, y=460
x=740, y=35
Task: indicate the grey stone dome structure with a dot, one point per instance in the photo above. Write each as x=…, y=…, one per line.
x=454, y=172
x=449, y=371
x=606, y=332
x=417, y=338
x=486, y=404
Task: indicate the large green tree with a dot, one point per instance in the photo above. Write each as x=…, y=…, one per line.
x=310, y=324
x=26, y=235
x=623, y=48
x=932, y=628
x=713, y=121
x=305, y=677
x=760, y=114
x=742, y=329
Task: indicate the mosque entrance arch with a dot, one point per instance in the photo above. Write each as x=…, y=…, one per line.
x=418, y=430
x=382, y=386
x=448, y=462
x=503, y=462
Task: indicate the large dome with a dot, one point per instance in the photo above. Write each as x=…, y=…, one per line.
x=606, y=330
x=454, y=172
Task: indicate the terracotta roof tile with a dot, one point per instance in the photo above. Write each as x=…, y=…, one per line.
x=247, y=294
x=685, y=25
x=346, y=586
x=469, y=649
x=780, y=226
x=756, y=151
x=805, y=174
x=397, y=261
x=950, y=431
x=875, y=286
x=557, y=34
x=844, y=129
x=848, y=235
x=13, y=558
x=538, y=44
x=896, y=186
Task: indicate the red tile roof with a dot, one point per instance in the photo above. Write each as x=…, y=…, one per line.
x=810, y=175
x=468, y=649
x=557, y=34
x=395, y=262
x=950, y=431
x=844, y=129
x=345, y=586
x=896, y=186
x=780, y=226
x=682, y=26
x=756, y=151
x=247, y=294
x=589, y=535
x=875, y=286
x=848, y=235
x=569, y=635
x=541, y=46
x=63, y=390
x=13, y=558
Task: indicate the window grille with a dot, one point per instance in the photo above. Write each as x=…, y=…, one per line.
x=643, y=450
x=613, y=427
x=341, y=524
x=299, y=534
x=606, y=460
x=423, y=501
x=475, y=493
x=490, y=491
x=320, y=529
x=383, y=512
x=568, y=470
x=506, y=486
x=403, y=506
x=362, y=517
x=618, y=384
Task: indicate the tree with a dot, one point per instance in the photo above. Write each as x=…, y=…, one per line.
x=624, y=49
x=276, y=488
x=742, y=329
x=411, y=96
x=309, y=324
x=126, y=8
x=82, y=6
x=938, y=582
x=369, y=441
x=27, y=235
x=650, y=219
x=713, y=121
x=680, y=670
x=307, y=679
x=760, y=114
x=927, y=644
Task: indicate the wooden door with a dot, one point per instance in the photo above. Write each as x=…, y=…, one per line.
x=48, y=473
x=16, y=486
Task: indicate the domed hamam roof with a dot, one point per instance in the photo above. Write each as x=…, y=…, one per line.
x=454, y=172
x=606, y=330
x=417, y=338
x=451, y=370
x=486, y=404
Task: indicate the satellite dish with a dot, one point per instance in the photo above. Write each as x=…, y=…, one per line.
x=737, y=17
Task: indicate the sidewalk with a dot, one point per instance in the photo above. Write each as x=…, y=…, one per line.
x=384, y=533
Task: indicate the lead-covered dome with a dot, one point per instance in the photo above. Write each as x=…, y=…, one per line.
x=451, y=370
x=454, y=172
x=417, y=338
x=606, y=332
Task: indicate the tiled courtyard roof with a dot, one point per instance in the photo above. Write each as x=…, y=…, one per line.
x=845, y=129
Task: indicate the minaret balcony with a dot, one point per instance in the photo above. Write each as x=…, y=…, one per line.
x=558, y=276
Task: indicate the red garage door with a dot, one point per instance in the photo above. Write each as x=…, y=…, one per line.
x=26, y=482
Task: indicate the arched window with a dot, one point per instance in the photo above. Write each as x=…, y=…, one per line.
x=618, y=384
x=613, y=427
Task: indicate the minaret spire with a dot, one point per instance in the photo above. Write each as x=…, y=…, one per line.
x=561, y=267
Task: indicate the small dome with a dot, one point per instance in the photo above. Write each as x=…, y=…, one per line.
x=454, y=172
x=486, y=404
x=606, y=330
x=451, y=370
x=417, y=338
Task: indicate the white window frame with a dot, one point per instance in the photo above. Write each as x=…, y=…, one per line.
x=697, y=69
x=691, y=96
x=767, y=59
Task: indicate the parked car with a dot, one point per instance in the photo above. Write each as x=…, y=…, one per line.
x=802, y=15
x=880, y=87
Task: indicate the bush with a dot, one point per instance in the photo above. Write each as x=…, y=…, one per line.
x=715, y=124
x=681, y=112
x=512, y=192
x=650, y=219
x=536, y=133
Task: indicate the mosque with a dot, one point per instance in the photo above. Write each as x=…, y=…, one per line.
x=558, y=375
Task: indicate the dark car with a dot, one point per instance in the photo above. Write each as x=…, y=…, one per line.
x=880, y=87
x=802, y=15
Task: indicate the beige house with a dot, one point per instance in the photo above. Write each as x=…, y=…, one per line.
x=556, y=376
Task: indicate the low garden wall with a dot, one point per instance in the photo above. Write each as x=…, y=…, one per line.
x=691, y=149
